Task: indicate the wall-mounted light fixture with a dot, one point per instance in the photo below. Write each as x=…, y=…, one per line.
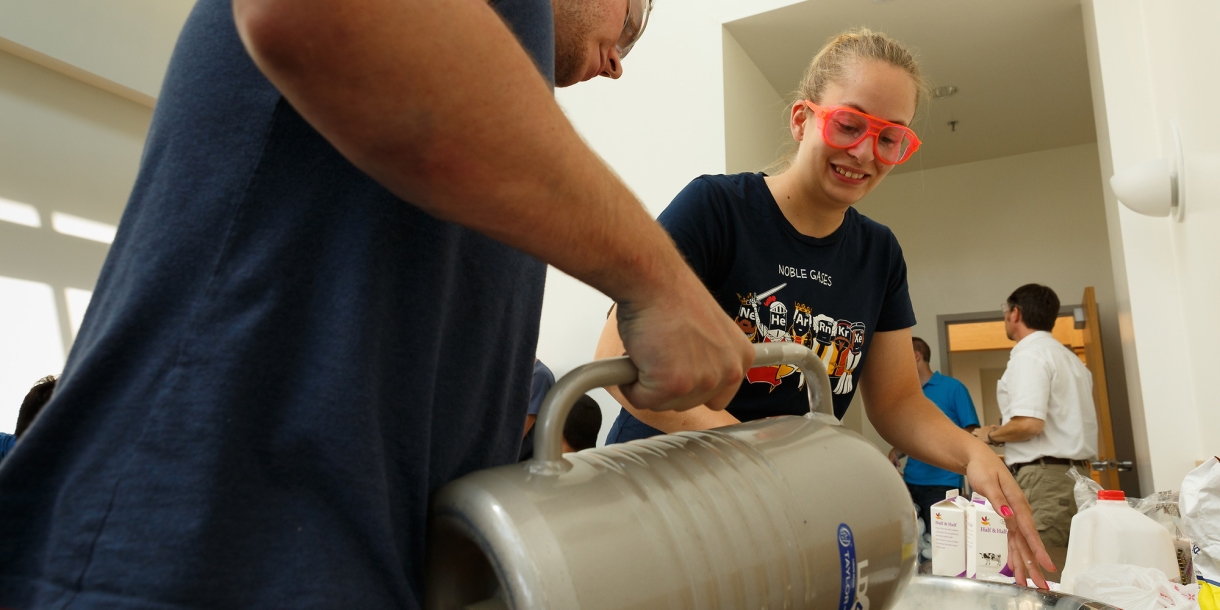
x=1154, y=188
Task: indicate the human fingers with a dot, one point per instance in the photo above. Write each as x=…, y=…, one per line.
x=1024, y=515
x=1016, y=560
x=991, y=478
x=1021, y=560
x=688, y=352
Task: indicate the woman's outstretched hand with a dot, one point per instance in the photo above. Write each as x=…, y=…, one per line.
x=1027, y=556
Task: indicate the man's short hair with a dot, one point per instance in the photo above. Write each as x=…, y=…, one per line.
x=921, y=346
x=584, y=422
x=1039, y=306
x=34, y=400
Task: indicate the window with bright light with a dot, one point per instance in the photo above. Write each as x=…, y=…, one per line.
x=83, y=227
x=19, y=213
x=31, y=345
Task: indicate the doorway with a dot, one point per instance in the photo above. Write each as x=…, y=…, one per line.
x=974, y=349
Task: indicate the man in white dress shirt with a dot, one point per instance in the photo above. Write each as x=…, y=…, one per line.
x=1046, y=401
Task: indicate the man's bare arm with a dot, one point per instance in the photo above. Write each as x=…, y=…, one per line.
x=696, y=418
x=437, y=101
x=1017, y=429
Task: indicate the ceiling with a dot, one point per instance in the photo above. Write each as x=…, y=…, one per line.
x=1019, y=66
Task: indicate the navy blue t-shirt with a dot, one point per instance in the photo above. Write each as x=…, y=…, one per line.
x=276, y=369
x=830, y=294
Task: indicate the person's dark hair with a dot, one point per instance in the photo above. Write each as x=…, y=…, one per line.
x=1039, y=306
x=921, y=346
x=583, y=424
x=34, y=400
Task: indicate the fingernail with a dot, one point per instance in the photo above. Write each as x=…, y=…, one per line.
x=1005, y=511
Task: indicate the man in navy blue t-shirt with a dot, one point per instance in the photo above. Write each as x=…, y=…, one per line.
x=277, y=366
x=928, y=483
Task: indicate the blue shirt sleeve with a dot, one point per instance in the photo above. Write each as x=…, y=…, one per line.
x=6, y=443
x=543, y=380
x=964, y=406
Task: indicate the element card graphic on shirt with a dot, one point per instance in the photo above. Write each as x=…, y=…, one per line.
x=765, y=318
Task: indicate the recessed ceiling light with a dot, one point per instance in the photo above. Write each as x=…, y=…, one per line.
x=945, y=91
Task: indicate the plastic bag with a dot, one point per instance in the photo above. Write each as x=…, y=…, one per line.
x=1134, y=588
x=1200, y=507
x=1085, y=489
x=1162, y=507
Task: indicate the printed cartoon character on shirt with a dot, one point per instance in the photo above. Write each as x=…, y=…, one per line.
x=764, y=318
x=842, y=345
x=770, y=317
x=747, y=317
x=824, y=332
x=855, y=336
x=801, y=330
x=777, y=321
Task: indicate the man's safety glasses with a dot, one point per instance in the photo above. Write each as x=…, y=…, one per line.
x=844, y=127
x=633, y=25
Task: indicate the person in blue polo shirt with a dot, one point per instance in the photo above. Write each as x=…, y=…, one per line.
x=926, y=483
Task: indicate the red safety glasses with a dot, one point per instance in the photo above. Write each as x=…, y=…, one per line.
x=844, y=127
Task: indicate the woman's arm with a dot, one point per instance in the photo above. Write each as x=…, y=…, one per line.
x=906, y=419
x=697, y=418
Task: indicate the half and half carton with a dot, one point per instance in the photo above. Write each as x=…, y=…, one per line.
x=949, y=535
x=986, y=542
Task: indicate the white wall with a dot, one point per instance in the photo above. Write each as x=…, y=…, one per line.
x=972, y=233
x=66, y=148
x=122, y=46
x=755, y=114
x=78, y=80
x=658, y=127
x=1150, y=63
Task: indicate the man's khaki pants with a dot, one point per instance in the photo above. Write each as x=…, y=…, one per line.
x=1049, y=490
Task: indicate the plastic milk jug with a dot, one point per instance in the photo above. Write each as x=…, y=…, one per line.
x=1113, y=532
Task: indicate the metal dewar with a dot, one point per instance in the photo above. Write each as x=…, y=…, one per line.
x=786, y=512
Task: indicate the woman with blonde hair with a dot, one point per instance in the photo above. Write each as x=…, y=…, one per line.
x=790, y=259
